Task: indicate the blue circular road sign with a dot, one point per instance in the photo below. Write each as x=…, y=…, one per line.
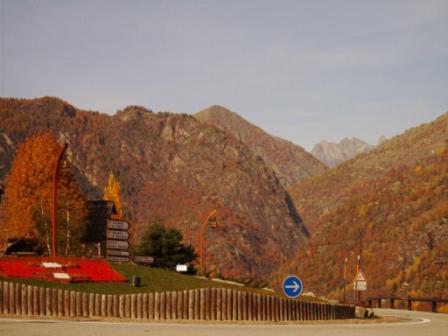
x=292, y=286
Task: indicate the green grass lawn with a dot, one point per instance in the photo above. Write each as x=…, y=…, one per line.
x=152, y=280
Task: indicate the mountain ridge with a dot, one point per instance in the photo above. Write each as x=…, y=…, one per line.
x=290, y=161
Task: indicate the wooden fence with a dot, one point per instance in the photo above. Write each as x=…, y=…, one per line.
x=210, y=304
x=392, y=299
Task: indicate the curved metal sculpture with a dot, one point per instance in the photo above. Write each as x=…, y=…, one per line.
x=54, y=218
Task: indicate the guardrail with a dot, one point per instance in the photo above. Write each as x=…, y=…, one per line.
x=219, y=304
x=392, y=299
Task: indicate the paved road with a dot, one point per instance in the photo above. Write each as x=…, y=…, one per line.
x=423, y=324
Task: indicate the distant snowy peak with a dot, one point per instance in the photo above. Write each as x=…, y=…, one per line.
x=333, y=154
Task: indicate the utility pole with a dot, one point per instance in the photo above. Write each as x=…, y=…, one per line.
x=54, y=218
x=357, y=292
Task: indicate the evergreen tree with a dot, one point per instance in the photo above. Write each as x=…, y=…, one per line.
x=164, y=244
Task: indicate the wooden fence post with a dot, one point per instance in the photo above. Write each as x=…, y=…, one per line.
x=115, y=305
x=66, y=302
x=139, y=306
x=91, y=304
x=409, y=303
x=121, y=306
x=186, y=307
x=133, y=306
x=44, y=301
x=157, y=306
x=85, y=304
x=168, y=305
x=1, y=297
x=219, y=305
x=60, y=300
x=12, y=298
x=173, y=305
x=202, y=304
x=109, y=305
x=239, y=306
x=163, y=306
x=250, y=306
x=434, y=305
x=103, y=305
x=213, y=307
x=18, y=298
x=127, y=306
x=145, y=300
x=207, y=304
x=35, y=298
x=97, y=304
x=224, y=304
x=180, y=306
x=234, y=305
x=191, y=298
x=24, y=295
x=5, y=298
x=151, y=306
x=45, y=307
x=54, y=302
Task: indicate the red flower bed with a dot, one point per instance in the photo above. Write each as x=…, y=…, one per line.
x=79, y=269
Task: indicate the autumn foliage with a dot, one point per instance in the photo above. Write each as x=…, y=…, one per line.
x=28, y=196
x=391, y=207
x=112, y=193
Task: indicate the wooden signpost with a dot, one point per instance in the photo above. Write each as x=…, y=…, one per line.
x=117, y=245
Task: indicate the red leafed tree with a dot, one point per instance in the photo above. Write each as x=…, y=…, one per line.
x=28, y=196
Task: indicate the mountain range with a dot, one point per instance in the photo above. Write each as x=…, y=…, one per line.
x=387, y=204
x=333, y=154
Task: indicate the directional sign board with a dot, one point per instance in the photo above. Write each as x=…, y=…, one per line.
x=118, y=259
x=292, y=286
x=117, y=224
x=117, y=244
x=118, y=253
x=144, y=260
x=114, y=234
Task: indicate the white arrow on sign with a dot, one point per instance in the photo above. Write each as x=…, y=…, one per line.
x=295, y=287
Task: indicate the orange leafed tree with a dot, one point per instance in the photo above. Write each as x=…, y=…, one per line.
x=28, y=196
x=112, y=193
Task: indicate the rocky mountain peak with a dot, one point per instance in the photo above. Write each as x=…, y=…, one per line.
x=290, y=162
x=333, y=154
x=132, y=112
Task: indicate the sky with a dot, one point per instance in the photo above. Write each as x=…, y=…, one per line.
x=302, y=70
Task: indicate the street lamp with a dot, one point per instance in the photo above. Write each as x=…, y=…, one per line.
x=54, y=219
x=211, y=218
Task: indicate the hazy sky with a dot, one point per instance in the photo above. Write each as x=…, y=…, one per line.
x=302, y=70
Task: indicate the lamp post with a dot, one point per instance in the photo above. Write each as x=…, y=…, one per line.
x=345, y=276
x=209, y=218
x=54, y=218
